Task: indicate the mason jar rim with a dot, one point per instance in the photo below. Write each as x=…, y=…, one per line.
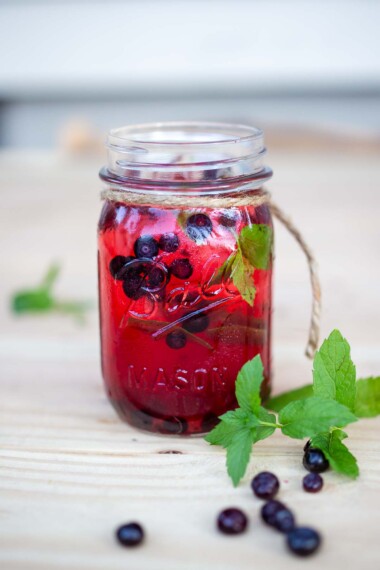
x=229, y=133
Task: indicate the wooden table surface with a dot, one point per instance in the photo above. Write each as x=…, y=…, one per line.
x=71, y=471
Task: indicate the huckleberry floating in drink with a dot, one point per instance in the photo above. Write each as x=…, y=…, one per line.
x=185, y=269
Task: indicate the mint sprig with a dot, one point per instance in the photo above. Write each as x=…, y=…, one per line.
x=41, y=299
x=254, y=245
x=318, y=412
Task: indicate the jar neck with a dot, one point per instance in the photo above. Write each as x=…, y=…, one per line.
x=186, y=158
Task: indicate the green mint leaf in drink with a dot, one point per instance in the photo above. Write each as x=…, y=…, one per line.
x=278, y=402
x=334, y=375
x=339, y=456
x=238, y=454
x=367, y=401
x=312, y=416
x=255, y=242
x=248, y=384
x=242, y=277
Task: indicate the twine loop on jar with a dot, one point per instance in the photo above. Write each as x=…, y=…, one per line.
x=253, y=198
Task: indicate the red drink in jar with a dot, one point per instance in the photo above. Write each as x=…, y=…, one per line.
x=184, y=276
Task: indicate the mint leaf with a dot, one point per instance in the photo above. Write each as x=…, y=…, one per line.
x=255, y=242
x=309, y=417
x=278, y=402
x=239, y=418
x=340, y=458
x=334, y=373
x=367, y=402
x=238, y=454
x=222, y=434
x=262, y=432
x=248, y=385
x=242, y=277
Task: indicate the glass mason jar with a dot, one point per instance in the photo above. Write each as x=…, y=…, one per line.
x=184, y=271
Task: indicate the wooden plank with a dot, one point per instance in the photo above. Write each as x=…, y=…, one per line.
x=71, y=471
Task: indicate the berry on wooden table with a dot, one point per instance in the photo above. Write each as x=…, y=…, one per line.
x=265, y=485
x=131, y=534
x=303, y=541
x=232, y=521
x=312, y=482
x=315, y=461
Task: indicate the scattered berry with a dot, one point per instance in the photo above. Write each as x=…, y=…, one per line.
x=283, y=520
x=303, y=541
x=181, y=268
x=198, y=227
x=146, y=246
x=265, y=485
x=176, y=339
x=315, y=461
x=312, y=482
x=197, y=323
x=130, y=534
x=270, y=509
x=117, y=266
x=169, y=242
x=232, y=521
x=228, y=218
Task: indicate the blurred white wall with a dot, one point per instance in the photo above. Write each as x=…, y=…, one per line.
x=112, y=62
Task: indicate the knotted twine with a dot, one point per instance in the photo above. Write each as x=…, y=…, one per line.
x=249, y=198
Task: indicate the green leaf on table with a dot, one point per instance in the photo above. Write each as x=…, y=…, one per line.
x=248, y=384
x=255, y=242
x=242, y=277
x=41, y=299
x=334, y=374
x=339, y=456
x=238, y=454
x=367, y=402
x=278, y=402
x=311, y=416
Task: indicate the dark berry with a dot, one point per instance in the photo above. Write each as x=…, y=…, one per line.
x=181, y=268
x=130, y=534
x=307, y=445
x=315, y=461
x=232, y=521
x=303, y=541
x=176, y=339
x=169, y=242
x=198, y=227
x=146, y=246
x=156, y=279
x=269, y=510
x=312, y=482
x=117, y=266
x=283, y=520
x=197, y=323
x=228, y=218
x=134, y=276
x=265, y=485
